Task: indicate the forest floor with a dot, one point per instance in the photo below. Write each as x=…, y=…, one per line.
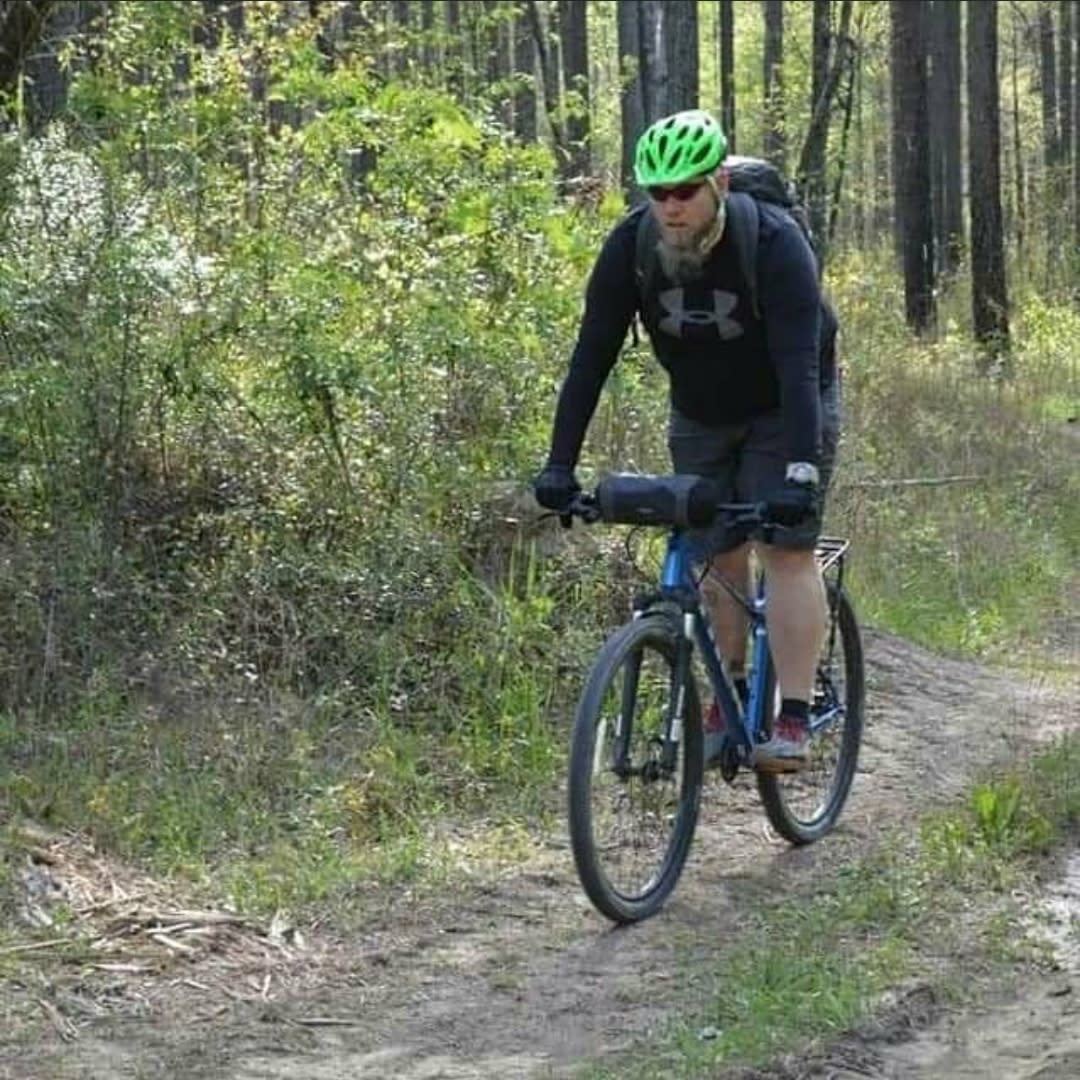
x=512, y=974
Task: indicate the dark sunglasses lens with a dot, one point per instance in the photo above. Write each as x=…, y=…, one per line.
x=681, y=192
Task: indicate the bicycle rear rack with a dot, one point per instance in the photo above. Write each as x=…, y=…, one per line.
x=830, y=550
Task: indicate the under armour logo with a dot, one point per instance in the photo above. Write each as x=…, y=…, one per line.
x=673, y=302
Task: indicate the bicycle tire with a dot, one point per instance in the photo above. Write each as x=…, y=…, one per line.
x=773, y=788
x=649, y=633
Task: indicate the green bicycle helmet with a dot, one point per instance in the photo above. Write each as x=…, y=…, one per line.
x=678, y=148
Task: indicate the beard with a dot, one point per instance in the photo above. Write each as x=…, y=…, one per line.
x=683, y=254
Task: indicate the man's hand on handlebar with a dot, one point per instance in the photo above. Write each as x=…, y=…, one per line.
x=555, y=487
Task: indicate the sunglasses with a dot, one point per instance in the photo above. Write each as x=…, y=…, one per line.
x=680, y=192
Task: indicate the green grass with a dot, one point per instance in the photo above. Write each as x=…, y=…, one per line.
x=811, y=967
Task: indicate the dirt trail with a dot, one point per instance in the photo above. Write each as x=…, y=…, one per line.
x=518, y=976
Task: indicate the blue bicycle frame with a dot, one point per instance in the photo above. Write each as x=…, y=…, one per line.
x=677, y=582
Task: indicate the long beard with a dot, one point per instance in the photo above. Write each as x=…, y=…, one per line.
x=683, y=258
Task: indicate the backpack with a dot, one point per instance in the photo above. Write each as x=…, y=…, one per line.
x=751, y=180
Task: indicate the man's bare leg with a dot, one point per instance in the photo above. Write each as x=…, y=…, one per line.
x=796, y=612
x=729, y=621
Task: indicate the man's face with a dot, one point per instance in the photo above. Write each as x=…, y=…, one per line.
x=686, y=210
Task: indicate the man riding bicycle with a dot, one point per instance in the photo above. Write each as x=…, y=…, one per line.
x=753, y=396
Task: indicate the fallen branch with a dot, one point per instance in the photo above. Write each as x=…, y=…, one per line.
x=64, y=1027
x=34, y=946
x=321, y=1021
x=932, y=481
x=175, y=946
x=101, y=905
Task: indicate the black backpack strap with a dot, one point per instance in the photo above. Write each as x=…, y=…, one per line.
x=645, y=255
x=645, y=260
x=743, y=219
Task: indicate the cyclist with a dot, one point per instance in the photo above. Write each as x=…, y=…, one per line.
x=753, y=396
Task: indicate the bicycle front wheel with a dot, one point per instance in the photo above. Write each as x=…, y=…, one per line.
x=635, y=778
x=803, y=806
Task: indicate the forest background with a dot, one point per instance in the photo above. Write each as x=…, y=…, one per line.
x=286, y=294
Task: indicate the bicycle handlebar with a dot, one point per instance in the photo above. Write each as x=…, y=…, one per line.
x=736, y=515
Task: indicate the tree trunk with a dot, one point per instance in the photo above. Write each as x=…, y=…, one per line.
x=883, y=219
x=498, y=57
x=324, y=42
x=46, y=83
x=842, y=157
x=946, y=130
x=811, y=170
x=429, y=51
x=1066, y=15
x=863, y=158
x=631, y=98
x=550, y=80
x=1019, y=181
x=680, y=40
x=774, y=140
x=726, y=33
x=990, y=305
x=1048, y=77
x=524, y=78
x=1053, y=181
x=574, y=46
x=655, y=76
x=911, y=145
x=1076, y=129
x=455, y=53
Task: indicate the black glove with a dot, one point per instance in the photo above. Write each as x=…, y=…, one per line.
x=555, y=487
x=792, y=504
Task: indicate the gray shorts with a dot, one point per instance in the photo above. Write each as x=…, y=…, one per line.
x=749, y=460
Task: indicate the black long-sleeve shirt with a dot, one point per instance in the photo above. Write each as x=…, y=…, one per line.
x=724, y=364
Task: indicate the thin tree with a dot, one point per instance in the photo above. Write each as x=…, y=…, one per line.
x=631, y=98
x=990, y=306
x=653, y=57
x=549, y=80
x=725, y=29
x=455, y=62
x=1066, y=15
x=1019, y=174
x=429, y=54
x=46, y=82
x=911, y=147
x=829, y=67
x=1052, y=186
x=946, y=131
x=525, y=127
x=680, y=42
x=1076, y=128
x=1048, y=84
x=774, y=140
x=850, y=90
x=494, y=41
x=574, y=47
x=812, y=169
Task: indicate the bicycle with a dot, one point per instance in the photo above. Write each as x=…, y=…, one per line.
x=637, y=735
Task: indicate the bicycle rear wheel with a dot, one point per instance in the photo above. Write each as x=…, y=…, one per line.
x=803, y=806
x=633, y=792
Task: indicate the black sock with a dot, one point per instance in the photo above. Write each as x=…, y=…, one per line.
x=795, y=708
